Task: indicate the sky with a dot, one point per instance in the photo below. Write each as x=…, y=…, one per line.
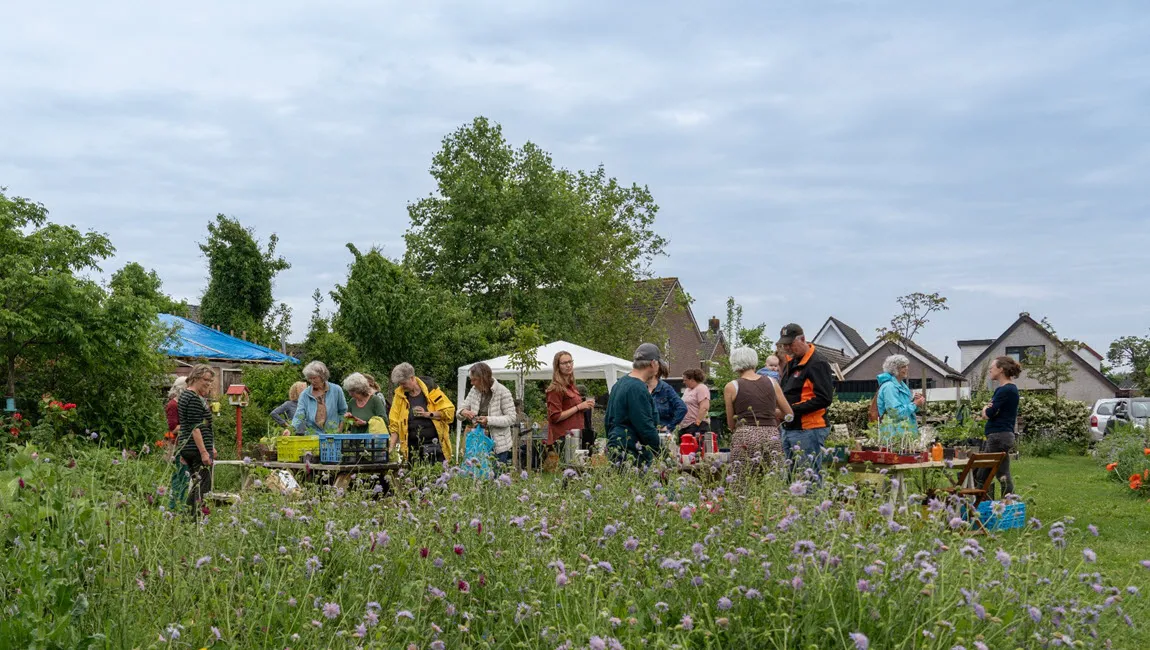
x=809, y=158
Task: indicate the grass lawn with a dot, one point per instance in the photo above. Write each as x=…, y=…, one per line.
x=1074, y=486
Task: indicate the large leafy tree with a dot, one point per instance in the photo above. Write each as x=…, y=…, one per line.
x=239, y=294
x=1133, y=352
x=391, y=315
x=517, y=237
x=42, y=301
x=64, y=334
x=147, y=285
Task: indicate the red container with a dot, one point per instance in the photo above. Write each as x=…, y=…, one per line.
x=688, y=445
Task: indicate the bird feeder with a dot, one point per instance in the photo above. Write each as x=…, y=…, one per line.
x=238, y=396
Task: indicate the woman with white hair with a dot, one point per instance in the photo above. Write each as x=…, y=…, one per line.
x=364, y=405
x=421, y=414
x=172, y=409
x=897, y=408
x=322, y=406
x=752, y=400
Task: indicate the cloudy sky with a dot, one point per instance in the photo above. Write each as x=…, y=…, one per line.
x=809, y=158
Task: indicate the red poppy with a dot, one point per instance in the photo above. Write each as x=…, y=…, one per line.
x=1110, y=467
x=69, y=406
x=1135, y=481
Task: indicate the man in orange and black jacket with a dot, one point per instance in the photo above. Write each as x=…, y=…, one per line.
x=808, y=385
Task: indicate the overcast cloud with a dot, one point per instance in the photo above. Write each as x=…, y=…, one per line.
x=810, y=158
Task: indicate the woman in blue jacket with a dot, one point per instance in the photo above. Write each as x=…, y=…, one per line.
x=322, y=406
x=670, y=407
x=897, y=407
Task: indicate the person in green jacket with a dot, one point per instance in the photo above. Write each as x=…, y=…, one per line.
x=631, y=422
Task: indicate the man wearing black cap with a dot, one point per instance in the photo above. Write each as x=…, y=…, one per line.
x=807, y=384
x=631, y=422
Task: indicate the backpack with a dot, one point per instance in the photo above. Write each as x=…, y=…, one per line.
x=872, y=414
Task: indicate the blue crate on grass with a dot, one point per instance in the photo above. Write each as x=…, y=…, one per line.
x=353, y=448
x=1013, y=515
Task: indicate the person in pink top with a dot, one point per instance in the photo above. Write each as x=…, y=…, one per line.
x=698, y=400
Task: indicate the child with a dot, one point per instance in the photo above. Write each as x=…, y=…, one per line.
x=772, y=368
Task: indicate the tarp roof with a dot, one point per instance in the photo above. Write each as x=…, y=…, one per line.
x=195, y=341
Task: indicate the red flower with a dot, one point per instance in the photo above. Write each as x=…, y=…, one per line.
x=423, y=552
x=69, y=406
x=1110, y=467
x=17, y=417
x=458, y=549
x=205, y=510
x=464, y=587
x=482, y=580
x=14, y=431
x=55, y=404
x=1135, y=481
x=21, y=482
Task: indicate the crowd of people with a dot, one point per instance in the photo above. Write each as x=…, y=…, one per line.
x=776, y=414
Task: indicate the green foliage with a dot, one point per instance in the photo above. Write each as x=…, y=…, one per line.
x=389, y=315
x=515, y=236
x=134, y=279
x=525, y=339
x=66, y=335
x=332, y=348
x=1123, y=455
x=1133, y=352
x=240, y=273
x=916, y=308
x=852, y=414
x=1045, y=418
x=736, y=335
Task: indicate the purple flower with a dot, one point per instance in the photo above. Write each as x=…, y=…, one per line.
x=685, y=512
x=570, y=473
x=597, y=643
x=216, y=633
x=360, y=631
x=697, y=581
x=861, y=642
x=312, y=565
x=1090, y=555
x=561, y=579
x=606, y=566
x=686, y=622
x=753, y=594
x=609, y=531
x=956, y=523
x=803, y=547
x=371, y=618
x=1035, y=613
x=330, y=610
x=403, y=613
x=662, y=606
x=1003, y=557
x=863, y=586
x=504, y=480
x=798, y=488
x=797, y=583
x=1145, y=564
x=631, y=544
x=1093, y=530
x=724, y=604
x=200, y=563
x=886, y=510
x=979, y=611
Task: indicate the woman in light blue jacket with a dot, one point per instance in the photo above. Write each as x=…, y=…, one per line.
x=897, y=407
x=322, y=406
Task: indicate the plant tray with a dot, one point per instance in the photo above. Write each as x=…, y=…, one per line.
x=291, y=449
x=887, y=458
x=353, y=448
x=1013, y=516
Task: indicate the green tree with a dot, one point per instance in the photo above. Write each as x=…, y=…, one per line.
x=332, y=348
x=519, y=238
x=755, y=338
x=42, y=302
x=916, y=309
x=1133, y=352
x=391, y=315
x=240, y=274
x=147, y=285
x=1056, y=369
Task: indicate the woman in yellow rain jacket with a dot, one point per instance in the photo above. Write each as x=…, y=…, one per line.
x=421, y=417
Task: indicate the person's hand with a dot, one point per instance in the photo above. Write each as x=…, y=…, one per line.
x=919, y=399
x=206, y=458
x=468, y=415
x=285, y=432
x=359, y=422
x=482, y=420
x=213, y=453
x=587, y=405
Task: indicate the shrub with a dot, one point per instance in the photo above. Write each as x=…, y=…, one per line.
x=1125, y=455
x=852, y=414
x=1038, y=421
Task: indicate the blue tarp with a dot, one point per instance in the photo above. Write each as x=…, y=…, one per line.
x=192, y=340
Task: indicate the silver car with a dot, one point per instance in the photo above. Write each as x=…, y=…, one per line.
x=1103, y=409
x=1134, y=411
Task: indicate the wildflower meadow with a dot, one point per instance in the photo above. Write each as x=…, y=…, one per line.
x=602, y=558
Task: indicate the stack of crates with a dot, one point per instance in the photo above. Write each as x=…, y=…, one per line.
x=1013, y=515
x=291, y=449
x=352, y=448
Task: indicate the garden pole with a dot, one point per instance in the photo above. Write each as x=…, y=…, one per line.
x=239, y=432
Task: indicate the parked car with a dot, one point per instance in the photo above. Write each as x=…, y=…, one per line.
x=1103, y=409
x=1134, y=411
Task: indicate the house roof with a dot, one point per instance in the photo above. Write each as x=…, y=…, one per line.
x=852, y=336
x=654, y=296
x=709, y=347
x=1024, y=318
x=834, y=357
x=912, y=348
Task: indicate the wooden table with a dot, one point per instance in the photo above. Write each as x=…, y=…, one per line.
x=342, y=472
x=899, y=471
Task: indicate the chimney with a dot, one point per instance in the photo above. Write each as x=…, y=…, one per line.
x=713, y=324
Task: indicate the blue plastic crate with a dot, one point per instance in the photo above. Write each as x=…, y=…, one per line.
x=353, y=448
x=1013, y=515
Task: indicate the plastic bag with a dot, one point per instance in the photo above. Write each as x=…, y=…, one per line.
x=478, y=449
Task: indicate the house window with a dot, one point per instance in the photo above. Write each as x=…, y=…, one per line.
x=1020, y=352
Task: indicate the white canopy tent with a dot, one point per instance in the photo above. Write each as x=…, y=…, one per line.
x=589, y=364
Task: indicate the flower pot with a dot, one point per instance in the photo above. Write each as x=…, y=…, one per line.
x=948, y=453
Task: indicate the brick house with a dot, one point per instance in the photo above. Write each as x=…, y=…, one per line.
x=666, y=309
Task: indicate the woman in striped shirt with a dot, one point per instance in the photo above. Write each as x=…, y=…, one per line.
x=195, y=447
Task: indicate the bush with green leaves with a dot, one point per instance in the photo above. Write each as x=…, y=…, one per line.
x=1070, y=426
x=1125, y=455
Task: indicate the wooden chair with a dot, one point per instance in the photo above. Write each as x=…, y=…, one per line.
x=989, y=462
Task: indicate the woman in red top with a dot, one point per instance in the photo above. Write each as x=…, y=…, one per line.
x=564, y=404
